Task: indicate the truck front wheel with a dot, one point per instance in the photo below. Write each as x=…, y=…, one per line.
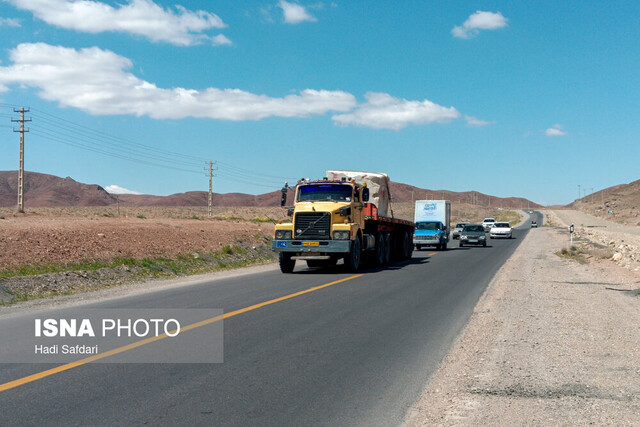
x=352, y=261
x=286, y=263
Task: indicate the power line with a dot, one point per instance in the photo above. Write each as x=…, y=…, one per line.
x=113, y=145
x=56, y=129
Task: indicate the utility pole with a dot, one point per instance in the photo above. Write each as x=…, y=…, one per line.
x=591, y=194
x=579, y=192
x=22, y=130
x=211, y=169
x=210, y=189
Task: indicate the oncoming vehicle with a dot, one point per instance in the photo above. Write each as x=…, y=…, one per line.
x=487, y=223
x=534, y=224
x=429, y=233
x=500, y=229
x=457, y=229
x=432, y=219
x=344, y=216
x=473, y=234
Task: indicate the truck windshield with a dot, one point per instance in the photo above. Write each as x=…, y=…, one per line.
x=324, y=192
x=428, y=226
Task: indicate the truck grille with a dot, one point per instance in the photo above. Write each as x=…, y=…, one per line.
x=423, y=237
x=312, y=225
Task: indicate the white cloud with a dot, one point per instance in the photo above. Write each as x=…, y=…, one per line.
x=9, y=22
x=472, y=121
x=382, y=111
x=116, y=189
x=220, y=40
x=96, y=81
x=294, y=13
x=99, y=81
x=556, y=130
x=141, y=17
x=479, y=21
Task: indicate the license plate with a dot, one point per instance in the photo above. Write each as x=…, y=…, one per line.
x=473, y=240
x=311, y=244
x=281, y=244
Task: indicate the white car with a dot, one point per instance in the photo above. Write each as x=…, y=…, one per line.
x=457, y=230
x=500, y=229
x=487, y=223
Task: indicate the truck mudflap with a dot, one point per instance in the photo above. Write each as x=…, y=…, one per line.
x=308, y=246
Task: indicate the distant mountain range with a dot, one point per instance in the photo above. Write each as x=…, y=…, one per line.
x=42, y=190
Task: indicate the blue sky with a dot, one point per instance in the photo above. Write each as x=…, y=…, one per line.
x=526, y=99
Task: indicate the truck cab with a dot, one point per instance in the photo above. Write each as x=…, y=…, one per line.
x=332, y=219
x=327, y=217
x=430, y=233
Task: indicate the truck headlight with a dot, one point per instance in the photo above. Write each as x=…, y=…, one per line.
x=283, y=234
x=341, y=235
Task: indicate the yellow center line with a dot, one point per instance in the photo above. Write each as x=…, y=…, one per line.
x=66, y=367
x=432, y=254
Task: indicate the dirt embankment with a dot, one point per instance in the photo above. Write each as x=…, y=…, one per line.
x=604, y=238
x=73, y=253
x=551, y=342
x=34, y=240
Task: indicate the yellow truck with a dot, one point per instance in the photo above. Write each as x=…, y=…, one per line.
x=346, y=215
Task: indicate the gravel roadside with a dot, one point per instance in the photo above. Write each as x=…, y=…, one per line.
x=551, y=342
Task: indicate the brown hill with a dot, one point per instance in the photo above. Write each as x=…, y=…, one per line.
x=620, y=203
x=402, y=193
x=48, y=190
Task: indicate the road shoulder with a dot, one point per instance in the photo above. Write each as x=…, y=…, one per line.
x=551, y=342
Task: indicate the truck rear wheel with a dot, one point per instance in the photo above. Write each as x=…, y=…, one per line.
x=352, y=261
x=403, y=245
x=387, y=248
x=286, y=263
x=408, y=245
x=379, y=254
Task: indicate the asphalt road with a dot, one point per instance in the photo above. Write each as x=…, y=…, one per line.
x=356, y=352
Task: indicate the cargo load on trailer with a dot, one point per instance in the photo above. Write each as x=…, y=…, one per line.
x=432, y=218
x=346, y=215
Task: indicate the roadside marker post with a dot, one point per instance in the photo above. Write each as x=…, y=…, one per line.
x=571, y=233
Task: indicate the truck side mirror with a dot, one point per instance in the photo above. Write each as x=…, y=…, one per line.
x=290, y=211
x=365, y=194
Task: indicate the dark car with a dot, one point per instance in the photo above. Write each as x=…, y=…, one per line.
x=473, y=234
